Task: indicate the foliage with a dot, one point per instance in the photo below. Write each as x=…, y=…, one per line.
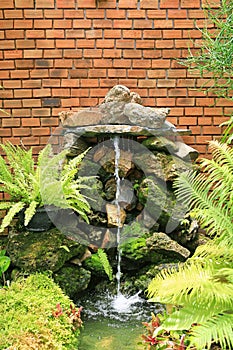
x=33, y=185
x=214, y=59
x=162, y=339
x=27, y=317
x=202, y=286
x=4, y=264
x=99, y=263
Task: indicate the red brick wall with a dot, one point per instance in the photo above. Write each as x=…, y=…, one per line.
x=62, y=54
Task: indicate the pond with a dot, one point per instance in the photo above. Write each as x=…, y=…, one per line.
x=112, y=322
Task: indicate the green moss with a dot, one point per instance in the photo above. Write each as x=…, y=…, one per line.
x=27, y=320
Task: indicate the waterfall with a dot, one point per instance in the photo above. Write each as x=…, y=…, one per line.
x=118, y=189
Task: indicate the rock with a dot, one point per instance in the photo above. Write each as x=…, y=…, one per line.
x=74, y=145
x=125, y=162
x=46, y=251
x=160, y=143
x=94, y=193
x=115, y=219
x=84, y=117
x=145, y=116
x=113, y=113
x=164, y=166
x=127, y=199
x=110, y=189
x=185, y=152
x=119, y=93
x=157, y=248
x=72, y=279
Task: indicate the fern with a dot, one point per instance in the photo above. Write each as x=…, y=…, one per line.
x=105, y=262
x=202, y=286
x=30, y=212
x=15, y=209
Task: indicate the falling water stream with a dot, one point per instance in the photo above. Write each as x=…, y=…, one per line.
x=115, y=321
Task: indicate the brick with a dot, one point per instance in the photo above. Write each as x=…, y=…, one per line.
x=204, y=121
x=152, y=34
x=184, y=23
x=183, y=43
x=172, y=54
x=188, y=121
x=6, y=4
x=7, y=44
x=169, y=4
x=86, y=3
x=43, y=63
x=6, y=132
x=44, y=4
x=45, y=44
x=69, y=53
x=53, y=13
x=66, y=4
x=39, y=73
x=26, y=112
x=55, y=33
x=75, y=33
x=23, y=23
x=185, y=101
x=102, y=63
x=19, y=74
x=66, y=43
x=147, y=83
x=33, y=84
x=190, y=3
x=80, y=92
x=89, y=83
x=108, y=44
x=4, y=94
x=94, y=34
x=213, y=111
x=6, y=24
x=177, y=13
x=4, y=74
x=121, y=63
x=73, y=14
x=127, y=4
x=158, y=93
x=62, y=23
x=51, y=102
x=102, y=23
x=30, y=122
x=172, y=34
x=24, y=4
x=145, y=44
x=163, y=23
x=49, y=121
x=31, y=140
x=204, y=102
x=125, y=44
x=10, y=122
x=55, y=53
x=177, y=73
x=117, y=73
x=64, y=92
x=156, y=73
x=13, y=54
x=86, y=102
x=149, y=4
x=23, y=93
x=132, y=53
x=166, y=83
x=33, y=14
x=31, y=34
x=33, y=53
x=93, y=53
x=142, y=23
x=13, y=13
x=41, y=131
x=165, y=102
x=122, y=23
x=51, y=82
x=31, y=103
x=58, y=73
x=83, y=63
x=85, y=43
x=82, y=23
x=107, y=4
x=14, y=34
x=112, y=33
x=142, y=64
x=7, y=64
x=156, y=14
x=162, y=44
x=98, y=93
x=21, y=132
x=79, y=73
x=161, y=63
x=110, y=53
x=43, y=23
x=152, y=53
x=95, y=13
x=211, y=130
x=41, y=112
x=9, y=84
x=41, y=93
x=25, y=44
x=70, y=83
x=12, y=104
x=117, y=13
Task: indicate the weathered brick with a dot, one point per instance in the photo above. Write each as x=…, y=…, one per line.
x=51, y=102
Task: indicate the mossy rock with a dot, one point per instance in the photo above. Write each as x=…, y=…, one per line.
x=27, y=320
x=72, y=279
x=32, y=251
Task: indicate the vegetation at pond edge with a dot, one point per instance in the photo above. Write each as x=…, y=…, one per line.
x=35, y=314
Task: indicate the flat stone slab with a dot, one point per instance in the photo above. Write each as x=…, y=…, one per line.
x=134, y=130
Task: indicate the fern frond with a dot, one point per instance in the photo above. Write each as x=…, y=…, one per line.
x=15, y=209
x=219, y=329
x=105, y=262
x=5, y=174
x=5, y=205
x=29, y=212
